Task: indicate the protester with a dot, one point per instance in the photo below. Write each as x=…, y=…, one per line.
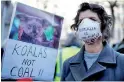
x=96, y=61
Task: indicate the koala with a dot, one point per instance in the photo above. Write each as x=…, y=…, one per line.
x=31, y=30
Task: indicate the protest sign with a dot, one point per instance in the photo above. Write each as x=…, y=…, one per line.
x=32, y=46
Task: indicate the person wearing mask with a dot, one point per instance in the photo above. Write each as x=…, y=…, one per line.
x=96, y=60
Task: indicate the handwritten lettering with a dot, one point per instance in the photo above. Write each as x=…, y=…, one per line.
x=29, y=51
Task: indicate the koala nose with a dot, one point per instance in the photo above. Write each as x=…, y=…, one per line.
x=34, y=29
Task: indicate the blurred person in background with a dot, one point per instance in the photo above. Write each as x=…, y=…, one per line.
x=6, y=14
x=96, y=60
x=72, y=40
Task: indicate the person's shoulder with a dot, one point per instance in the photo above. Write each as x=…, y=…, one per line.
x=66, y=67
x=71, y=59
x=120, y=56
x=67, y=61
x=120, y=60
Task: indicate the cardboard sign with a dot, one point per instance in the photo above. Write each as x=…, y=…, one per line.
x=31, y=49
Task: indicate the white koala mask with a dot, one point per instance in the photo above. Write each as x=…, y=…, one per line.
x=89, y=31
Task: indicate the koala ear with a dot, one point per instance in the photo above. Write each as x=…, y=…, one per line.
x=22, y=17
x=46, y=22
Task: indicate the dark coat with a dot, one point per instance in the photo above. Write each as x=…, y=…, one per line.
x=108, y=67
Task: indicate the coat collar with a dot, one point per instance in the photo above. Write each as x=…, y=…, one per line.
x=77, y=66
x=107, y=55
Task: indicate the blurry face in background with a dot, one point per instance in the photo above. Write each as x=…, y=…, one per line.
x=33, y=28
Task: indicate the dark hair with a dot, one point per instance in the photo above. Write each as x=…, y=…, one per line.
x=106, y=20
